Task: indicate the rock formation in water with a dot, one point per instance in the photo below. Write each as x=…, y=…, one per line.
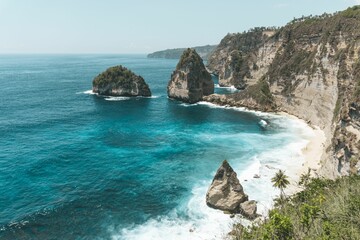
x=190, y=81
x=309, y=68
x=119, y=81
x=225, y=192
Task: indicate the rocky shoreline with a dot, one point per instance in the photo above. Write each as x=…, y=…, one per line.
x=310, y=69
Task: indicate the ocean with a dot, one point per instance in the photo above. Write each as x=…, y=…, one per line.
x=74, y=165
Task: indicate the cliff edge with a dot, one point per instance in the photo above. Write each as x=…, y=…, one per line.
x=311, y=68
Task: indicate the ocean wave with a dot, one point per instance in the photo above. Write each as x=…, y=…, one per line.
x=88, y=92
x=113, y=98
x=240, y=109
x=117, y=98
x=231, y=88
x=194, y=220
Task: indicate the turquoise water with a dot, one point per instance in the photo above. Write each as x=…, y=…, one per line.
x=78, y=166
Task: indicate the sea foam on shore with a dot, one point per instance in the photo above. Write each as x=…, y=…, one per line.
x=194, y=220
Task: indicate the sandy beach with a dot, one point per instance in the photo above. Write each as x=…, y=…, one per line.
x=313, y=151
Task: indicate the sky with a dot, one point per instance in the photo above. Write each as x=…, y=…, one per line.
x=140, y=26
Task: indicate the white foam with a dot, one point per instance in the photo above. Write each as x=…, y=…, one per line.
x=112, y=98
x=231, y=88
x=263, y=123
x=194, y=220
x=240, y=109
x=117, y=98
x=201, y=222
x=149, y=97
x=89, y=92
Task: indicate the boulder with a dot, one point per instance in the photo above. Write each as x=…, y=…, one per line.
x=119, y=81
x=190, y=81
x=248, y=209
x=225, y=192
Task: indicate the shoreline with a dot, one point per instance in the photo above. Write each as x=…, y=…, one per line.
x=311, y=153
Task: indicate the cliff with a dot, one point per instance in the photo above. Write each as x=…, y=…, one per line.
x=203, y=51
x=190, y=81
x=119, y=81
x=312, y=70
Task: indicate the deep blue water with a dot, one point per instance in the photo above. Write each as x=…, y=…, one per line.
x=78, y=166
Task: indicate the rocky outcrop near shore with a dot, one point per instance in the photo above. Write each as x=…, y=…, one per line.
x=256, y=97
x=119, y=81
x=311, y=67
x=190, y=81
x=226, y=193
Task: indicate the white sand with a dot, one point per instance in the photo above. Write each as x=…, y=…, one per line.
x=312, y=154
x=313, y=151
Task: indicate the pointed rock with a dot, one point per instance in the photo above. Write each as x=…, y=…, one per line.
x=225, y=192
x=190, y=81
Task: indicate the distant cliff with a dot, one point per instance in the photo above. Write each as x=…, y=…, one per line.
x=309, y=68
x=203, y=51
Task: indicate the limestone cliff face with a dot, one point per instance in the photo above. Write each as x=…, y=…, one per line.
x=190, y=81
x=119, y=81
x=230, y=60
x=230, y=72
x=312, y=69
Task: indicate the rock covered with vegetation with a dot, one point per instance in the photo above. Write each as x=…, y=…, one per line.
x=119, y=81
x=308, y=68
x=190, y=81
x=226, y=193
x=256, y=97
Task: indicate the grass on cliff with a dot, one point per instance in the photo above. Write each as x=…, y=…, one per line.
x=297, y=56
x=260, y=92
x=325, y=210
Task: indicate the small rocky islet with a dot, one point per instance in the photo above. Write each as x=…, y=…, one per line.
x=120, y=81
x=226, y=193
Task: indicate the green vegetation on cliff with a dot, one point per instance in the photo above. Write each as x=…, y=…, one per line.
x=297, y=55
x=324, y=210
x=190, y=58
x=120, y=81
x=245, y=43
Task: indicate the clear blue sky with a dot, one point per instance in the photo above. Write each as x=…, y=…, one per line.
x=140, y=26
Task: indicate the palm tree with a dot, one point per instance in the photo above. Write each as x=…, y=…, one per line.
x=280, y=181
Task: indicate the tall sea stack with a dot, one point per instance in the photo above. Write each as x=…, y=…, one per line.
x=190, y=81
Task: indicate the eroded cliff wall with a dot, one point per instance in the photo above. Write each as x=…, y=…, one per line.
x=312, y=69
